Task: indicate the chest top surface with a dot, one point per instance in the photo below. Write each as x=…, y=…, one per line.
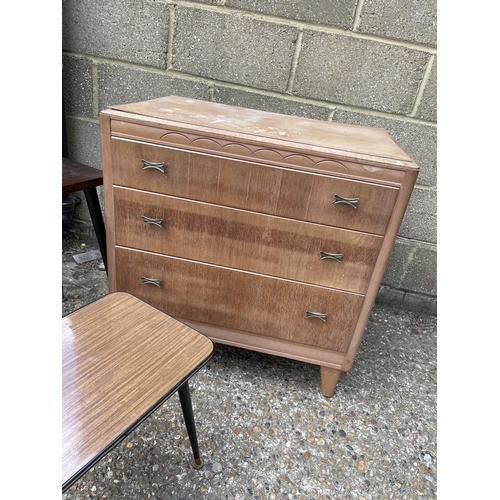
x=350, y=141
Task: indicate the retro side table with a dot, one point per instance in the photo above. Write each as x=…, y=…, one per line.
x=121, y=359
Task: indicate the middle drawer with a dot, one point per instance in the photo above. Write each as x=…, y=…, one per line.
x=274, y=246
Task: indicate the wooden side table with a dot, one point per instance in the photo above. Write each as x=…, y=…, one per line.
x=121, y=359
x=79, y=177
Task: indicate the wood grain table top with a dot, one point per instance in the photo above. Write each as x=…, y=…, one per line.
x=77, y=176
x=121, y=359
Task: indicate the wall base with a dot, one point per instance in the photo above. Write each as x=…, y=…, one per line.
x=406, y=300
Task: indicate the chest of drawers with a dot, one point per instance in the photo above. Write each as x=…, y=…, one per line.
x=262, y=231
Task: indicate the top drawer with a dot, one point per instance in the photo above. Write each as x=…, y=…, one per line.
x=295, y=194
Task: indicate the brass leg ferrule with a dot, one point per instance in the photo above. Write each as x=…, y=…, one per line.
x=198, y=463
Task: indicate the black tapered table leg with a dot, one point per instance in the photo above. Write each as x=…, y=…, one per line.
x=97, y=221
x=187, y=411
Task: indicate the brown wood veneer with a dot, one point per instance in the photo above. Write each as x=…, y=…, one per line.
x=246, y=198
x=77, y=176
x=255, y=187
x=245, y=240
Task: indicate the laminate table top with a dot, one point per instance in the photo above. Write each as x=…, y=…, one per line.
x=121, y=359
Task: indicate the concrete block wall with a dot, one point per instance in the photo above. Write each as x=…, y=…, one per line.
x=366, y=62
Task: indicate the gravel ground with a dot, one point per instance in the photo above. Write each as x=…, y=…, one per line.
x=265, y=430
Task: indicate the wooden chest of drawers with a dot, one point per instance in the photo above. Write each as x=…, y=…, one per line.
x=262, y=231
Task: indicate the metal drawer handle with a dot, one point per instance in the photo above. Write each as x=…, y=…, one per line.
x=310, y=314
x=149, y=164
x=334, y=256
x=352, y=202
x=150, y=281
x=156, y=222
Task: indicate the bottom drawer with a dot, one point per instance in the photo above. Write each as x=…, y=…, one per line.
x=239, y=300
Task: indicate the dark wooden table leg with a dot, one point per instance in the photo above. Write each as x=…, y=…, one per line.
x=187, y=411
x=97, y=221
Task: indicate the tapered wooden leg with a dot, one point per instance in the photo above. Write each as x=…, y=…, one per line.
x=329, y=379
